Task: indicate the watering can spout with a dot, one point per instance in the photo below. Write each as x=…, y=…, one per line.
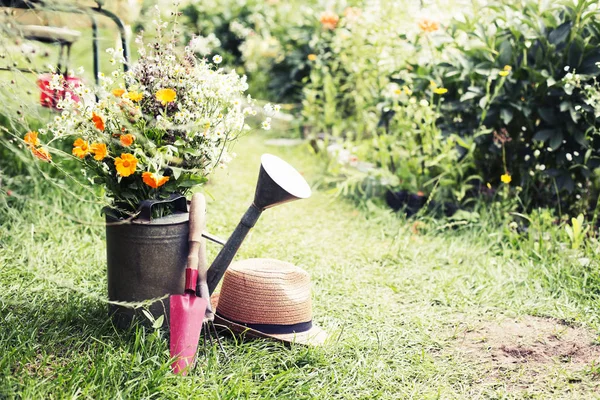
x=278, y=183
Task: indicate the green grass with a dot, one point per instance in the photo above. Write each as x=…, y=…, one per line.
x=393, y=301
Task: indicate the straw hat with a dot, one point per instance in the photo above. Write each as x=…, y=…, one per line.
x=268, y=298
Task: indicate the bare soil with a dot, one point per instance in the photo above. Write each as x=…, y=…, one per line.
x=524, y=352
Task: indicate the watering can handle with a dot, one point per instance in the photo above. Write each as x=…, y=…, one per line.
x=178, y=201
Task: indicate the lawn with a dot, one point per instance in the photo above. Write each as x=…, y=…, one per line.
x=414, y=309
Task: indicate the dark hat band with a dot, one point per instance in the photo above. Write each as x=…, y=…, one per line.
x=273, y=329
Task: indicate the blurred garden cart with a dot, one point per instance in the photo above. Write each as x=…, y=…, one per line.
x=63, y=37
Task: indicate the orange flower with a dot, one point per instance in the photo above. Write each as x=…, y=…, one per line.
x=127, y=140
x=329, y=19
x=99, y=151
x=98, y=120
x=134, y=96
x=118, y=92
x=154, y=181
x=31, y=138
x=166, y=96
x=81, y=148
x=429, y=25
x=125, y=164
x=41, y=153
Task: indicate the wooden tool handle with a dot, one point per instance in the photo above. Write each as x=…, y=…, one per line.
x=197, y=219
x=197, y=212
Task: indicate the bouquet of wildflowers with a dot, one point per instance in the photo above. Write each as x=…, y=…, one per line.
x=159, y=128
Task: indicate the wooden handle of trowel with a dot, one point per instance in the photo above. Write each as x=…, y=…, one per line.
x=202, y=286
x=197, y=212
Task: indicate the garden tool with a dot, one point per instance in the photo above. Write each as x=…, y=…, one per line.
x=278, y=183
x=202, y=285
x=187, y=311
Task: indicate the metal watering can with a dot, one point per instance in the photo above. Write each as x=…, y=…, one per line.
x=147, y=258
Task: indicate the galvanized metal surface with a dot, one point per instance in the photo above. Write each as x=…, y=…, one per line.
x=146, y=260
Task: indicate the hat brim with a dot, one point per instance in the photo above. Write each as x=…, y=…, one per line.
x=313, y=337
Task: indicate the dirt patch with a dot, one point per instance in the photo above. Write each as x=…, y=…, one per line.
x=531, y=339
x=518, y=353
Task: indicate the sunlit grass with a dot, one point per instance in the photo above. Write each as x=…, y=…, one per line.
x=392, y=300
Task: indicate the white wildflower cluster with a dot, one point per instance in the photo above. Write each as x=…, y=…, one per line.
x=239, y=30
x=204, y=45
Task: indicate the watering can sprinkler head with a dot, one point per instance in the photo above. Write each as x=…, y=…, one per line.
x=278, y=183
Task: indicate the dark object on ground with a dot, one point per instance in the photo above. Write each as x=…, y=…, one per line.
x=411, y=203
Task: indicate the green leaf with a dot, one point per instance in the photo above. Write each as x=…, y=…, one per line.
x=505, y=56
x=544, y=134
x=548, y=114
x=575, y=54
x=559, y=35
x=159, y=322
x=556, y=140
x=468, y=96
x=588, y=65
x=506, y=114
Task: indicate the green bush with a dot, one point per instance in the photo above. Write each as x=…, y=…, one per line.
x=514, y=68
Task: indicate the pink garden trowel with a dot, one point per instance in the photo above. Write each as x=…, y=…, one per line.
x=187, y=310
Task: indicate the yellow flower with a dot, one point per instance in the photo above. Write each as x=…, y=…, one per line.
x=134, y=96
x=432, y=84
x=127, y=140
x=505, y=71
x=489, y=185
x=125, y=164
x=506, y=178
x=81, y=148
x=428, y=25
x=118, y=92
x=98, y=120
x=166, y=96
x=440, y=90
x=407, y=90
x=41, y=153
x=154, y=181
x=31, y=138
x=312, y=57
x=99, y=151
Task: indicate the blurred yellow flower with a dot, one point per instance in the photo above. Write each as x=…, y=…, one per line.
x=312, y=57
x=126, y=164
x=407, y=90
x=134, y=96
x=99, y=151
x=440, y=90
x=166, y=96
x=505, y=71
x=118, y=92
x=428, y=25
x=506, y=178
x=31, y=138
x=81, y=148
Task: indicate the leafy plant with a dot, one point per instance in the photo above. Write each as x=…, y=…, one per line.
x=510, y=68
x=576, y=232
